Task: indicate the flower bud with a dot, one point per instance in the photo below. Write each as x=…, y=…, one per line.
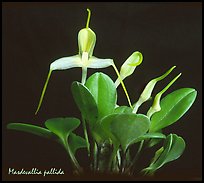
x=147, y=92
x=156, y=103
x=129, y=66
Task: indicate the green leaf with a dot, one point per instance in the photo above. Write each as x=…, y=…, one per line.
x=123, y=109
x=62, y=127
x=154, y=141
x=76, y=142
x=36, y=130
x=85, y=102
x=151, y=135
x=126, y=128
x=104, y=91
x=173, y=148
x=105, y=129
x=173, y=107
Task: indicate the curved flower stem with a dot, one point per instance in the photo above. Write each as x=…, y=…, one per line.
x=86, y=135
x=121, y=81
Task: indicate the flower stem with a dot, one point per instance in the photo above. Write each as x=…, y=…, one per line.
x=121, y=81
x=84, y=75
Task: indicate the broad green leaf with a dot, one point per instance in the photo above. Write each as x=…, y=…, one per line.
x=36, y=130
x=104, y=91
x=173, y=107
x=85, y=102
x=126, y=128
x=173, y=148
x=76, y=142
x=62, y=127
x=123, y=109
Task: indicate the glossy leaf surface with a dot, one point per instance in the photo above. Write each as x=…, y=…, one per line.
x=123, y=109
x=125, y=128
x=33, y=129
x=62, y=127
x=173, y=107
x=173, y=148
x=85, y=102
x=104, y=92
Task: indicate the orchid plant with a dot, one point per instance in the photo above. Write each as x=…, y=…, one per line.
x=112, y=132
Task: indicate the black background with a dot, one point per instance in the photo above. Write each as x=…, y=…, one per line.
x=36, y=34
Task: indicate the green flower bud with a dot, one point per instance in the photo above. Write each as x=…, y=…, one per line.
x=146, y=94
x=129, y=66
x=156, y=104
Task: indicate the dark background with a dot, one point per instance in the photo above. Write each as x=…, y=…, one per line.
x=36, y=34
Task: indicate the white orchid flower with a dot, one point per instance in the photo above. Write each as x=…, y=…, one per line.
x=84, y=59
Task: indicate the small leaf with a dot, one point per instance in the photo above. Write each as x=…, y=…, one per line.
x=76, y=142
x=104, y=91
x=173, y=148
x=62, y=127
x=85, y=102
x=123, y=109
x=173, y=107
x=177, y=148
x=36, y=130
